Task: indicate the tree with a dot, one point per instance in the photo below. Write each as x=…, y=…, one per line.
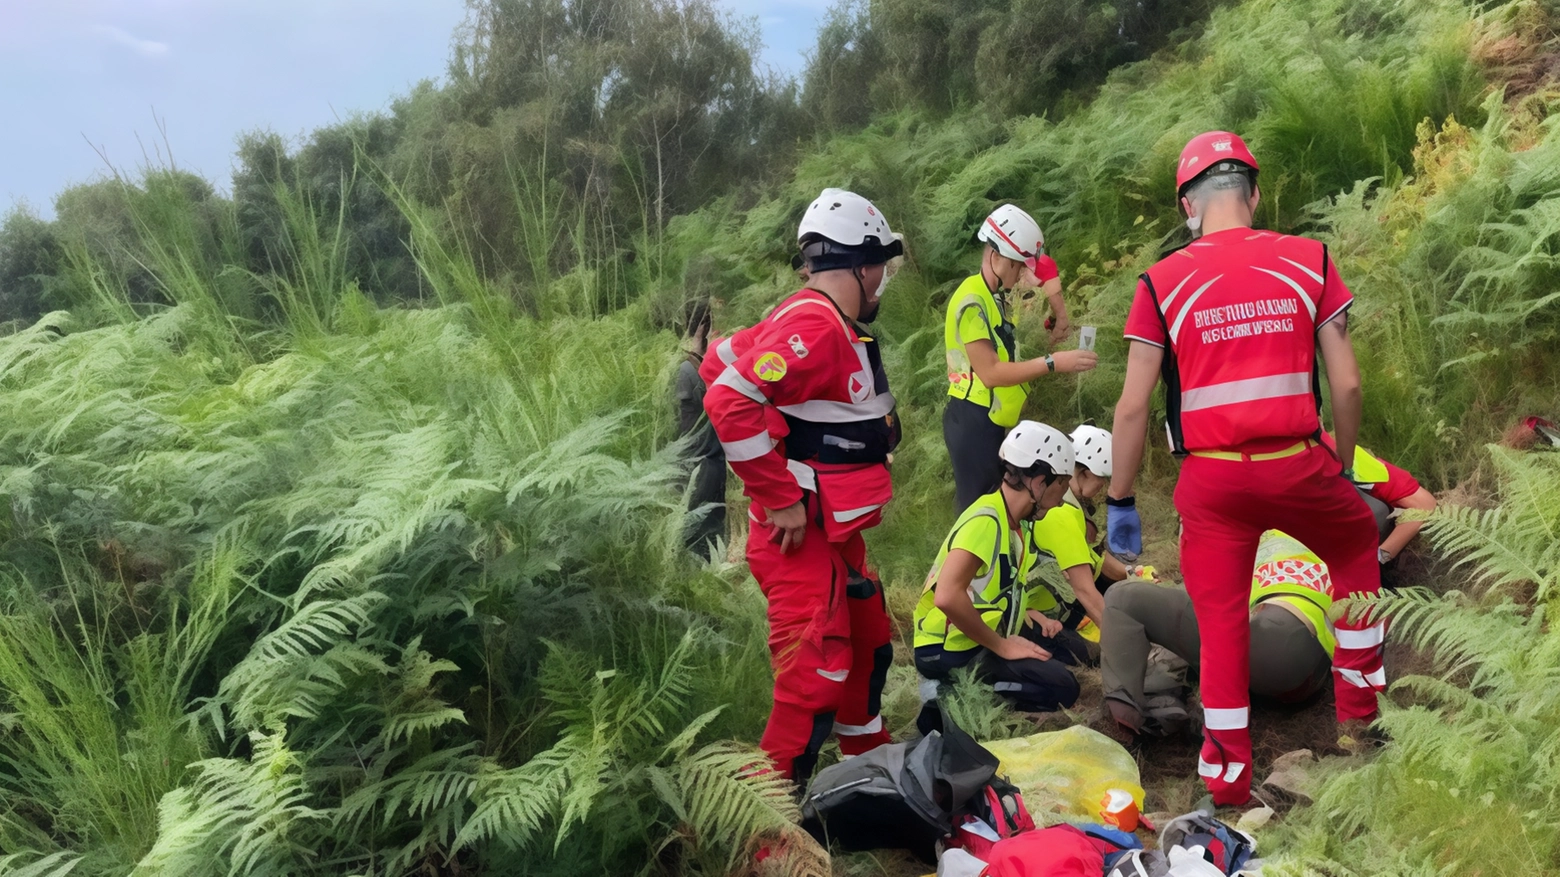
x=29, y=255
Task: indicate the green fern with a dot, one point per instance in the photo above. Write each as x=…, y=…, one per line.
x=238, y=817
x=1518, y=541
x=1474, y=767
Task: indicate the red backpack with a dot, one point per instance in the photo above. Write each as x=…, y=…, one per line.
x=1059, y=851
x=997, y=812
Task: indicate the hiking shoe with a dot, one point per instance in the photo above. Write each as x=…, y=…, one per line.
x=1359, y=737
x=1166, y=716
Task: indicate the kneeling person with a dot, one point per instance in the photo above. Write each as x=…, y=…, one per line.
x=1069, y=536
x=972, y=611
x=1292, y=641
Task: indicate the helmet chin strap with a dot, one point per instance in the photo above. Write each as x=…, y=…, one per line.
x=864, y=312
x=1034, y=508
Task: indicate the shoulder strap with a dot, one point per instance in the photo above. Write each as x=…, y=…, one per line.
x=829, y=306
x=1316, y=361
x=996, y=556
x=1170, y=371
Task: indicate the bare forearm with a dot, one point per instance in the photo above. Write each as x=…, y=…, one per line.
x=1082, y=581
x=1347, y=404
x=1114, y=569
x=1420, y=502
x=1129, y=429
x=952, y=598
x=1011, y=374
x=1343, y=379
x=1129, y=432
x=1053, y=294
x=962, y=614
x=1400, y=536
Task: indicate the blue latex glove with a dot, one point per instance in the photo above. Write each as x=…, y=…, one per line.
x=1123, y=529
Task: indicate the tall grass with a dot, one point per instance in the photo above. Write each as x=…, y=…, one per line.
x=321, y=592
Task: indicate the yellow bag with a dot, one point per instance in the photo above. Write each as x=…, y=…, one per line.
x=1088, y=631
x=1066, y=775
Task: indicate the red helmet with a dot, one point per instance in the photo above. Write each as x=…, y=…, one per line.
x=1207, y=151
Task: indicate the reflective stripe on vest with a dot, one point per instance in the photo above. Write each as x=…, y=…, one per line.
x=1246, y=390
x=1289, y=572
x=1004, y=404
x=996, y=594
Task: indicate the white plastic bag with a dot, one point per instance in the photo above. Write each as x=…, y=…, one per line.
x=958, y=863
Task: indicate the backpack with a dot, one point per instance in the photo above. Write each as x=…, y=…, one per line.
x=899, y=795
x=1059, y=851
x=995, y=813
x=1200, y=836
x=1113, y=843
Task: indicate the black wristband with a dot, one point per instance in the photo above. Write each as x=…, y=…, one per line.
x=1123, y=503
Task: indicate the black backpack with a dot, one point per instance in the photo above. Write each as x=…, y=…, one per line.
x=899, y=795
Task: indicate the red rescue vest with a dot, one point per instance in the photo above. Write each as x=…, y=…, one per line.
x=1240, y=317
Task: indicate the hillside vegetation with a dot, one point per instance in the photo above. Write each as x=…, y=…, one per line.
x=345, y=508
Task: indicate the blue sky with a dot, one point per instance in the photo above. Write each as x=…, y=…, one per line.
x=79, y=77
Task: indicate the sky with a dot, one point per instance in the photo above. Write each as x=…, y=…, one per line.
x=88, y=83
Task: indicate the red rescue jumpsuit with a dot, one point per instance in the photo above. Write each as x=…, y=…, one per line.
x=1239, y=310
x=802, y=408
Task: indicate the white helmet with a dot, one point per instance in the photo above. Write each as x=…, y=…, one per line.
x=1092, y=445
x=1030, y=443
x=844, y=218
x=1013, y=232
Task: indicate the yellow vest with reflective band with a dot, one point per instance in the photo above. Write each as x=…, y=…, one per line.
x=996, y=590
x=1004, y=404
x=1289, y=572
x=1061, y=535
x=1368, y=469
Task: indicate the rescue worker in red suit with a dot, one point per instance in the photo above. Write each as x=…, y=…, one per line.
x=803, y=411
x=1234, y=322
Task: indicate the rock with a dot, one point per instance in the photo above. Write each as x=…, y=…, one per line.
x=1254, y=819
x=1291, y=777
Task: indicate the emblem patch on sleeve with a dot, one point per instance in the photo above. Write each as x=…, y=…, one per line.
x=770, y=367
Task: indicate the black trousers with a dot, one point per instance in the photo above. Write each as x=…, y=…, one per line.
x=706, y=505
x=1032, y=685
x=973, y=442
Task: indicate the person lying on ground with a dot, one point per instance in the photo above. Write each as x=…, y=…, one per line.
x=972, y=611
x=1292, y=641
x=1388, y=489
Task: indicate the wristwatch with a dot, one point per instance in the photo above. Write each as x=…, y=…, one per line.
x=1382, y=556
x=1050, y=364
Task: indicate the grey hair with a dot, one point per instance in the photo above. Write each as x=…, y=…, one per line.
x=1204, y=189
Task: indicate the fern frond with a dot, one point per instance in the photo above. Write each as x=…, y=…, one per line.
x=515, y=806
x=252, y=815
x=414, y=708
x=53, y=865
x=731, y=793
